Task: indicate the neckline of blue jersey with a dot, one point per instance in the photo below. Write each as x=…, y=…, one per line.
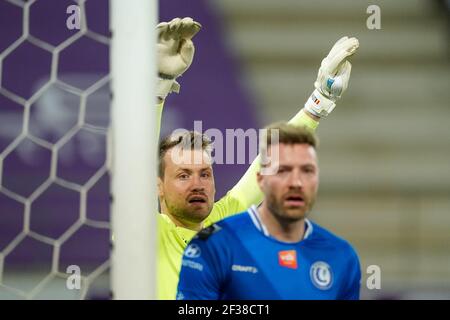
x=258, y=223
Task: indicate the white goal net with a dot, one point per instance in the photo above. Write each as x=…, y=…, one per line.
x=54, y=158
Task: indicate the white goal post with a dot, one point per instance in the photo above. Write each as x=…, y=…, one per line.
x=133, y=148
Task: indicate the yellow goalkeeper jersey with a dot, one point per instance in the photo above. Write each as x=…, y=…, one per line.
x=172, y=240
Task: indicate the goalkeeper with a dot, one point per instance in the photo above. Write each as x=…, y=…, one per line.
x=186, y=192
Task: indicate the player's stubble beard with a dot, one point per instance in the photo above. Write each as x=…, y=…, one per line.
x=277, y=208
x=184, y=213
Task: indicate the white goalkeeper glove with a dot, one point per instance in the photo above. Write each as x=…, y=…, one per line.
x=175, y=51
x=332, y=79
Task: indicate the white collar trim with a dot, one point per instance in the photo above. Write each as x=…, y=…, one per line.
x=254, y=215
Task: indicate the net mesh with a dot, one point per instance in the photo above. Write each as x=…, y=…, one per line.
x=54, y=132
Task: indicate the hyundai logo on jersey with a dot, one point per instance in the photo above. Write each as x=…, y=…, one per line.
x=192, y=251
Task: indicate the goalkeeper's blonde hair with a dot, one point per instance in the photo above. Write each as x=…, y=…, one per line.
x=188, y=140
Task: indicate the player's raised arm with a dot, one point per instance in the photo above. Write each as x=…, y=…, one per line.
x=332, y=82
x=175, y=52
x=332, y=79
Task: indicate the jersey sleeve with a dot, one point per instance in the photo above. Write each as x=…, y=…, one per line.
x=247, y=192
x=203, y=271
x=227, y=206
x=351, y=291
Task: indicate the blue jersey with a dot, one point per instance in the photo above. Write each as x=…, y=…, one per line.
x=237, y=259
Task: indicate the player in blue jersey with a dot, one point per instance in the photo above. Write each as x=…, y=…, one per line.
x=274, y=251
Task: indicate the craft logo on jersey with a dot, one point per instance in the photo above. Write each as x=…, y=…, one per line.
x=288, y=259
x=321, y=275
x=192, y=251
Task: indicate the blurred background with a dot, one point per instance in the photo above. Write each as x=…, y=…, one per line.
x=384, y=153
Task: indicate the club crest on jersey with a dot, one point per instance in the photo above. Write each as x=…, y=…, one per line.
x=288, y=259
x=192, y=251
x=321, y=275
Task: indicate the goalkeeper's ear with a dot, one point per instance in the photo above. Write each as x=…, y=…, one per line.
x=259, y=178
x=160, y=187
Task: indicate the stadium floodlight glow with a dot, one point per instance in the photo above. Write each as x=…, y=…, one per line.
x=133, y=71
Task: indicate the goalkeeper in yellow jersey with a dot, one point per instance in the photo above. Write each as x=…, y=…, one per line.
x=186, y=191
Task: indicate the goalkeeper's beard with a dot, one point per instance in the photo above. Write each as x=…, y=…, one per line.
x=186, y=214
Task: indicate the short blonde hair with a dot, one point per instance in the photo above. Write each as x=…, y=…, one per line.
x=286, y=133
x=191, y=140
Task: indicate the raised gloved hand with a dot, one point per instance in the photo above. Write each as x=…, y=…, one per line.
x=333, y=77
x=175, y=52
